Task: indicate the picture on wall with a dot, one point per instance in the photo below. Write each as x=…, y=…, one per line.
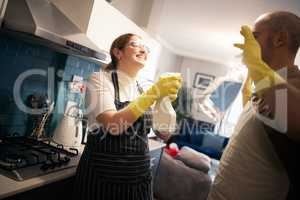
x=202, y=81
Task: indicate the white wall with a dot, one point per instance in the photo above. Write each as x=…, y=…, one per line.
x=136, y=10
x=189, y=68
x=168, y=62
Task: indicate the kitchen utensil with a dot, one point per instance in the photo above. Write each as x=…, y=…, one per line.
x=39, y=130
x=69, y=130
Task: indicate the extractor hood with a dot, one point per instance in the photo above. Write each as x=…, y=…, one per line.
x=3, y=4
x=43, y=19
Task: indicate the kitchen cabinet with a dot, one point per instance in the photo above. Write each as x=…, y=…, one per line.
x=57, y=190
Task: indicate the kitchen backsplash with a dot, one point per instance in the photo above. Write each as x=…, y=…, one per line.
x=17, y=58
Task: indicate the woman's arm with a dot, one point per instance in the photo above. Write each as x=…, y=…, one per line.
x=117, y=122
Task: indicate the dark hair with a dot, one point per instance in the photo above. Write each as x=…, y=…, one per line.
x=119, y=43
x=289, y=22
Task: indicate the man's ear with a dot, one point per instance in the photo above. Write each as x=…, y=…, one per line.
x=117, y=53
x=280, y=39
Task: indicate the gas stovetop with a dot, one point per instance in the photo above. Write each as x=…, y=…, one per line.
x=22, y=158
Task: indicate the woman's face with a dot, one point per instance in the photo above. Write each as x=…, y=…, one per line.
x=134, y=53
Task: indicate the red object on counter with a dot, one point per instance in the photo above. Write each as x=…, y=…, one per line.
x=172, y=151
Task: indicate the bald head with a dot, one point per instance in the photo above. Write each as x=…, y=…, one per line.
x=284, y=21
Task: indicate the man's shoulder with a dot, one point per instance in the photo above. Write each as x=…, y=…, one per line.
x=295, y=82
x=294, y=76
x=294, y=79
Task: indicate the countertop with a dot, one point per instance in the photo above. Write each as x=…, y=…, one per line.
x=9, y=187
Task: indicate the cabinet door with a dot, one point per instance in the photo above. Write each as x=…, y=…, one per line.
x=57, y=190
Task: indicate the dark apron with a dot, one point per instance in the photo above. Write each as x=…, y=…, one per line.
x=116, y=167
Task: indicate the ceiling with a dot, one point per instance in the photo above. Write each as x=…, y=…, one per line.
x=206, y=29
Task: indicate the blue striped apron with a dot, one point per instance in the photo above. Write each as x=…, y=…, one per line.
x=116, y=167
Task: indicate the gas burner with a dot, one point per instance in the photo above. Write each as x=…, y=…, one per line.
x=15, y=161
x=22, y=157
x=13, y=158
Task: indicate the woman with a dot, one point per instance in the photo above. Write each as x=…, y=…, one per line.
x=115, y=164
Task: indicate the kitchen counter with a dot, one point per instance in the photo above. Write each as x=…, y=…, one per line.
x=9, y=187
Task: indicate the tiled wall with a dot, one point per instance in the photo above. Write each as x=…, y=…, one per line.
x=17, y=57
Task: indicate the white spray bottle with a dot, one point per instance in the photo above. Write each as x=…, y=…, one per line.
x=164, y=115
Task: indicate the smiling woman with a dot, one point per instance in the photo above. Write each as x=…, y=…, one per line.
x=115, y=164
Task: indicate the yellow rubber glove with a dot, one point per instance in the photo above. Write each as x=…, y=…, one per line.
x=167, y=85
x=261, y=74
x=247, y=90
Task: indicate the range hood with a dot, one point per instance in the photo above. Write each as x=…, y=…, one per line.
x=43, y=19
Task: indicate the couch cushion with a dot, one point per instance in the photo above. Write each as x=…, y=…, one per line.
x=213, y=141
x=175, y=180
x=197, y=138
x=194, y=159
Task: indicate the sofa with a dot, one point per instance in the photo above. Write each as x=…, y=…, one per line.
x=199, y=136
x=183, y=177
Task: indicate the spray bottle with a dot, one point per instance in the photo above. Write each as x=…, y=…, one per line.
x=164, y=115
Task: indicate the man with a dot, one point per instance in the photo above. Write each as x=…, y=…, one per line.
x=257, y=160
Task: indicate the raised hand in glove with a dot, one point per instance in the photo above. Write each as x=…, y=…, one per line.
x=247, y=90
x=261, y=74
x=167, y=85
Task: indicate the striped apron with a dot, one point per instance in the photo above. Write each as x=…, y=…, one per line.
x=116, y=167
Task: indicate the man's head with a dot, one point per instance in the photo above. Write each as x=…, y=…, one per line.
x=278, y=34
